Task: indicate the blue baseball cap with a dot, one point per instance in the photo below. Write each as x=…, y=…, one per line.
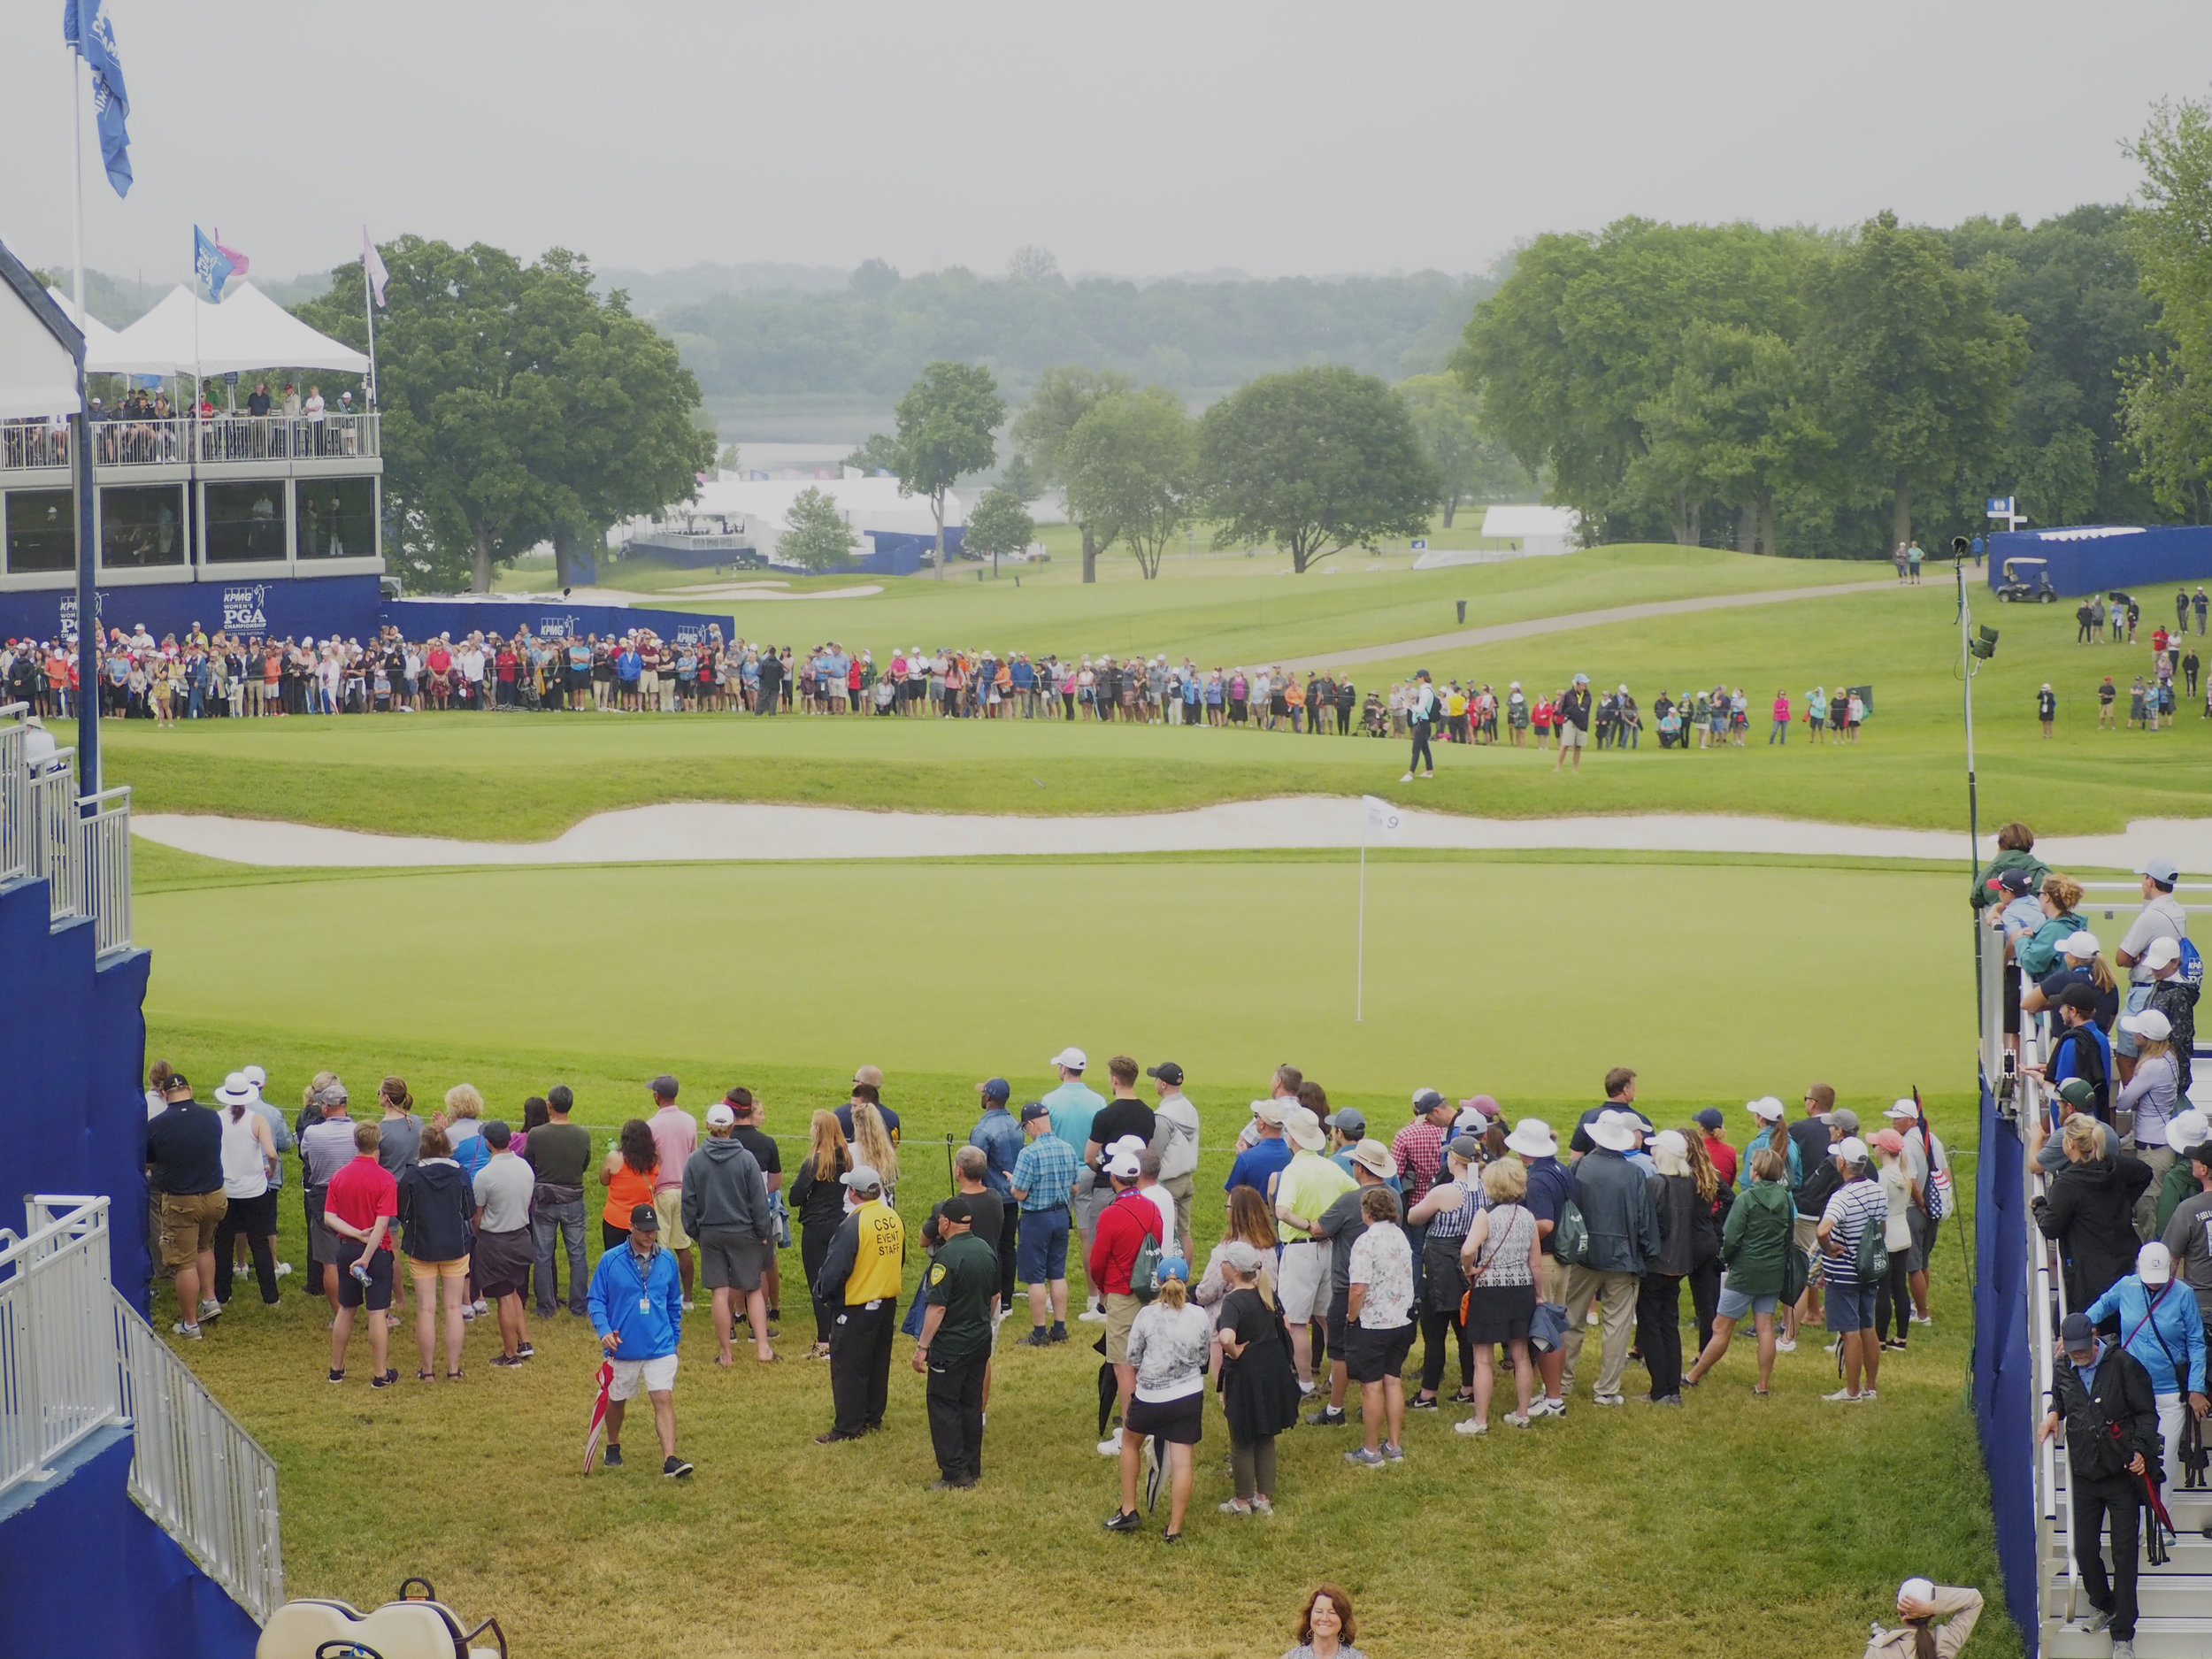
x=997, y=1088
x=2165, y=871
x=1710, y=1120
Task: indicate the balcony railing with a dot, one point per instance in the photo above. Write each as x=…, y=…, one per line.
x=55, y=843
x=28, y=446
x=78, y=845
x=103, y=868
x=17, y=837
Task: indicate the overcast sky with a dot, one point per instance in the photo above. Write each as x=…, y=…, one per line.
x=1144, y=137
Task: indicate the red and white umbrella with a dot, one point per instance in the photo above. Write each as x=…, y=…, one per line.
x=598, y=1414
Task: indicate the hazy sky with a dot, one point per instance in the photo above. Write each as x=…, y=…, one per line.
x=1144, y=137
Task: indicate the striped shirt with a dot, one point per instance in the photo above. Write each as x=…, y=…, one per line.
x=1856, y=1206
x=1045, y=1171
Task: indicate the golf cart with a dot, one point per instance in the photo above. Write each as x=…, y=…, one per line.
x=2027, y=579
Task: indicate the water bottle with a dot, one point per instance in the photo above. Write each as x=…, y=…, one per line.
x=360, y=1271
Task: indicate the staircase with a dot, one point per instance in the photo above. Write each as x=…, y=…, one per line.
x=2174, y=1600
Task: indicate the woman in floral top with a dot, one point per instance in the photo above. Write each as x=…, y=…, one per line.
x=1380, y=1310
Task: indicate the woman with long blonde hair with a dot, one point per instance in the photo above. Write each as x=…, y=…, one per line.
x=871, y=1146
x=818, y=1199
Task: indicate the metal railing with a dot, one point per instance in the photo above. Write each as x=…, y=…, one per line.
x=196, y=1471
x=103, y=867
x=169, y=441
x=26, y=445
x=235, y=438
x=54, y=838
x=57, y=1373
x=15, y=796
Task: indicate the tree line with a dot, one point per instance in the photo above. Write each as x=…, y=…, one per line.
x=1822, y=393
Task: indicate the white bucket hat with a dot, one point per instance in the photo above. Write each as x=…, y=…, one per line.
x=1616, y=1132
x=237, y=1090
x=2186, y=1131
x=1303, y=1130
x=1533, y=1138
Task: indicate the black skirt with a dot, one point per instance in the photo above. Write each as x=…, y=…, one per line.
x=1179, y=1422
x=1500, y=1313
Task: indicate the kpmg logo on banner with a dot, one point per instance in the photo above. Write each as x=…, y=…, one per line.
x=68, y=616
x=695, y=632
x=550, y=627
x=245, y=609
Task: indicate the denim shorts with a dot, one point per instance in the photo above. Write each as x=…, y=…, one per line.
x=1734, y=1303
x=1850, y=1307
x=1040, y=1253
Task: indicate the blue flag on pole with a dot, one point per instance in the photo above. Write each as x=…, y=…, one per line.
x=87, y=31
x=211, y=268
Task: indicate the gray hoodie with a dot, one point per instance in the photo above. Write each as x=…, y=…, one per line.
x=724, y=1188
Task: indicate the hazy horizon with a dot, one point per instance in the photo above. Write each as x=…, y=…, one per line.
x=1151, y=141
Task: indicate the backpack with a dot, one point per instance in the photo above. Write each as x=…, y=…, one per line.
x=1872, y=1261
x=2191, y=964
x=1935, y=1192
x=1571, y=1239
x=1144, y=1273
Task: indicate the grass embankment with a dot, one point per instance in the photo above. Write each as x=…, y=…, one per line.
x=1729, y=1528
x=529, y=778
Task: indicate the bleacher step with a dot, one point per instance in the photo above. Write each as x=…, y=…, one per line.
x=2155, y=1638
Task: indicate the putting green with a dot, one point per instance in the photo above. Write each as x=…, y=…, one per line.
x=1717, y=981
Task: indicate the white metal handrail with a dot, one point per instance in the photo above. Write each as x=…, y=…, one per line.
x=54, y=838
x=58, y=1376
x=335, y=437
x=103, y=868
x=33, y=443
x=15, y=796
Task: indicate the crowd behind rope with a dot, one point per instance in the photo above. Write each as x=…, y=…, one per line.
x=1476, y=1235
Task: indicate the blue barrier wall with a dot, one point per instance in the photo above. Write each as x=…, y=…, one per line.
x=2093, y=558
x=2004, y=1370
x=547, y=617
x=87, y=1571
x=295, y=608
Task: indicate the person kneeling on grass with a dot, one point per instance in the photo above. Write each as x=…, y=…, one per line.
x=1170, y=1342
x=1379, y=1313
x=637, y=1308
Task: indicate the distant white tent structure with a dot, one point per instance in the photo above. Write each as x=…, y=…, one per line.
x=1540, y=531
x=38, y=371
x=762, y=507
x=248, y=330
x=99, y=339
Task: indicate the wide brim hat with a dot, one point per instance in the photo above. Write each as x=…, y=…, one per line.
x=1613, y=1131
x=1533, y=1138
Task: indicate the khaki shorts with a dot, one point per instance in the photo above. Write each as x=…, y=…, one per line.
x=188, y=1227
x=431, y=1272
x=1121, y=1313
x=1572, y=736
x=1555, y=1285
x=668, y=1204
x=1179, y=1189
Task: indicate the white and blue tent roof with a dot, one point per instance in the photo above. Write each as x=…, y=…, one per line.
x=248, y=330
x=39, y=347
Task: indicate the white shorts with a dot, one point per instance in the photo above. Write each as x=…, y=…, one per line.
x=658, y=1376
x=1304, y=1287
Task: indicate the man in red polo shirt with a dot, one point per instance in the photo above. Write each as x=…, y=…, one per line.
x=359, y=1206
x=1123, y=1227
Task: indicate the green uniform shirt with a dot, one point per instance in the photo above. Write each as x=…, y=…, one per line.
x=961, y=1281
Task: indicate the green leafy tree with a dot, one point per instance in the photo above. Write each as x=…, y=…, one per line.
x=1472, y=465
x=1314, y=461
x=1019, y=481
x=879, y=454
x=1000, y=524
x=517, y=406
x=1063, y=397
x=816, y=533
x=2167, y=408
x=946, y=420
x=1131, y=465
x=1917, y=363
x=1735, y=424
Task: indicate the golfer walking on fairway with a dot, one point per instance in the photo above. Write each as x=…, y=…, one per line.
x=1420, y=716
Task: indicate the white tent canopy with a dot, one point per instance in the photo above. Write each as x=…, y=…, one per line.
x=248, y=330
x=38, y=375
x=101, y=351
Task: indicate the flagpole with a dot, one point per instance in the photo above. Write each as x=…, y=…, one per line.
x=368, y=309
x=1359, y=991
x=76, y=205
x=87, y=550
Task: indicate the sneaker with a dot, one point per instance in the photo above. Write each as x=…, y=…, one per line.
x=1327, y=1417
x=774, y=1314
x=1092, y=1315
x=283, y=1269
x=188, y=1329
x=613, y=1458
x=833, y=1437
x=385, y=1380
x=1059, y=1333
x=1692, y=1382
x=1666, y=1400
x=1235, y=1506
x=210, y=1309
x=1419, y=1404
x=480, y=1307
x=1921, y=1318
x=1843, y=1397
x=468, y=1311
x=1364, y=1458
x=1110, y=1447
x=675, y=1468
x=1263, y=1506
x=1545, y=1406
x=1124, y=1521
x=1037, y=1337
x=1609, y=1400
x=507, y=1362
x=1893, y=1344
x=1171, y=1538
x=1476, y=1425
x=1407, y=779
x=336, y=1376
x=2123, y=1650
x=689, y=1306
x=525, y=1352
x=1393, y=1453
x=1785, y=1345
x=1515, y=1420
x=2096, y=1621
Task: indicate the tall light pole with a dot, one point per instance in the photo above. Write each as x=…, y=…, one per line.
x=1975, y=649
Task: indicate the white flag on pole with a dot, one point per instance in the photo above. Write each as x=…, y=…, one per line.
x=372, y=266
x=1382, y=818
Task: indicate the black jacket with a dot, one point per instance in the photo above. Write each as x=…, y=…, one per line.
x=2176, y=999
x=2121, y=1401
x=1674, y=1200
x=2091, y=1212
x=820, y=1203
x=436, y=1203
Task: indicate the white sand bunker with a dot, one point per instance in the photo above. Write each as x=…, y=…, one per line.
x=703, y=831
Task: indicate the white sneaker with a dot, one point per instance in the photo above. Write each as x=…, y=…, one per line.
x=1785, y=1345
x=1110, y=1447
x=1407, y=779
x=1475, y=1426
x=1515, y=1420
x=1845, y=1397
x=1921, y=1318
x=481, y=1307
x=690, y=1307
x=1545, y=1406
x=282, y=1268
x=1091, y=1316
x=1609, y=1400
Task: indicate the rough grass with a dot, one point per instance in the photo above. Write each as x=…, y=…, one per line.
x=526, y=777
x=1734, y=1528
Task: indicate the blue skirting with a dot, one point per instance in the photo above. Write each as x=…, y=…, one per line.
x=2004, y=1370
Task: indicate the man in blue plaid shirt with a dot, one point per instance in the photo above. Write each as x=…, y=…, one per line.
x=1044, y=1177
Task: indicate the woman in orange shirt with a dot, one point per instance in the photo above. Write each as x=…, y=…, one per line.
x=1294, y=695
x=629, y=1171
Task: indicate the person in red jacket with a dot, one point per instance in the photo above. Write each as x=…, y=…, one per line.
x=1122, y=1229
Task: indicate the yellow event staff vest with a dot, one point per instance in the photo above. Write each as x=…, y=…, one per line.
x=881, y=1260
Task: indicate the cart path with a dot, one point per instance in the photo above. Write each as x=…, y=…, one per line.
x=706, y=831
x=1536, y=625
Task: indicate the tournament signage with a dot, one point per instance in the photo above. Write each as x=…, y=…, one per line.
x=245, y=609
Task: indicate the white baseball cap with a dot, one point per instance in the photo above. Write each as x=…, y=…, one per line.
x=2162, y=953
x=719, y=1115
x=2154, y=1264
x=1851, y=1149
x=1904, y=1111
x=1071, y=1057
x=2082, y=944
x=1123, y=1166
x=1765, y=1107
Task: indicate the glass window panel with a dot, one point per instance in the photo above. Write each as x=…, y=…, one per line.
x=337, y=517
x=245, y=522
x=41, y=531
x=141, y=527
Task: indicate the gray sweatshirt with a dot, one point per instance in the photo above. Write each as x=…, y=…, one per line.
x=1168, y=1346
x=724, y=1189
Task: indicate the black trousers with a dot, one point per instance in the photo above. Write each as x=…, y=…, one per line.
x=814, y=1243
x=2121, y=1499
x=1434, y=1329
x=955, y=1418
x=1659, y=1331
x=1894, y=1292
x=1421, y=747
x=1705, y=1300
x=860, y=1365
x=1009, y=1237
x=256, y=1217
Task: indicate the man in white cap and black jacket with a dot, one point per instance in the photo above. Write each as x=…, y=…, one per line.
x=2104, y=1399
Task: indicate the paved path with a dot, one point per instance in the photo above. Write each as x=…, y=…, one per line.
x=1535, y=626
x=700, y=831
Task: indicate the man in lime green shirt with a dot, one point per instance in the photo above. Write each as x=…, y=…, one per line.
x=1308, y=1185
